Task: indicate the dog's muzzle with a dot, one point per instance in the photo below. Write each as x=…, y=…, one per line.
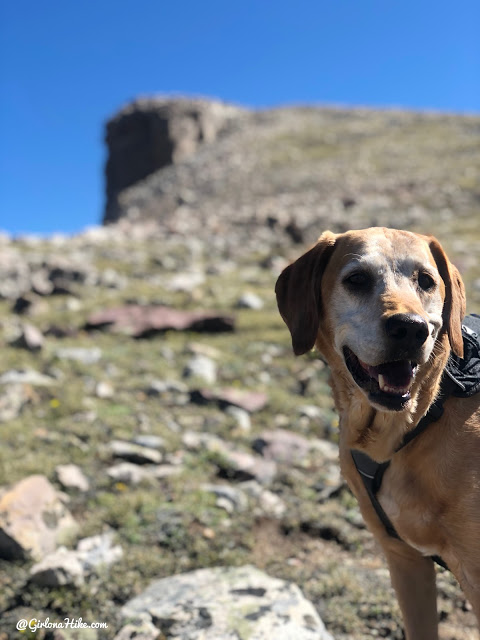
x=388, y=384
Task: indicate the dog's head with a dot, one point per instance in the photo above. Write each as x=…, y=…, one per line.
x=378, y=299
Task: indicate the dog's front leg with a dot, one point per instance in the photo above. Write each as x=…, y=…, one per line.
x=413, y=578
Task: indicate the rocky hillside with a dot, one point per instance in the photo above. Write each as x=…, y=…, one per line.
x=154, y=420
x=315, y=166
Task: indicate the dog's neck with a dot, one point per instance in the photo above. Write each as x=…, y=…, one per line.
x=379, y=433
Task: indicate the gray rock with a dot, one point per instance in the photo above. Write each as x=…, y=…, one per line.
x=250, y=301
x=311, y=411
x=160, y=387
x=140, y=628
x=203, y=349
x=129, y=473
x=80, y=354
x=241, y=417
x=14, y=274
x=186, y=282
x=68, y=567
x=60, y=568
x=70, y=476
x=201, y=367
x=326, y=449
x=269, y=503
x=33, y=519
x=135, y=453
x=30, y=338
x=242, y=466
x=229, y=498
x=133, y=474
x=97, y=551
x=250, y=401
x=104, y=390
x=282, y=446
x=27, y=376
x=12, y=400
x=228, y=603
x=196, y=441
x=112, y=279
x=150, y=441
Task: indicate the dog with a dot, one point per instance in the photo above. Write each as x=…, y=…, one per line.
x=384, y=308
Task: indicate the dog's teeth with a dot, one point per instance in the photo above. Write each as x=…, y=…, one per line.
x=387, y=388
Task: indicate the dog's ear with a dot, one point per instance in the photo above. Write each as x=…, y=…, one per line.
x=454, y=306
x=298, y=293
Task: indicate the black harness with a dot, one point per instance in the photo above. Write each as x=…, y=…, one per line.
x=461, y=378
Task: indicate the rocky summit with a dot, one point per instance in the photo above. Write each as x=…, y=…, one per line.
x=168, y=468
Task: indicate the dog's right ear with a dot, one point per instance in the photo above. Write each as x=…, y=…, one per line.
x=298, y=293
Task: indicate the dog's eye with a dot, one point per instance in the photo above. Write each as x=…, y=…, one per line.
x=425, y=281
x=358, y=280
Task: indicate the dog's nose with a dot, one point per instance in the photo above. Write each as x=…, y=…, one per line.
x=407, y=328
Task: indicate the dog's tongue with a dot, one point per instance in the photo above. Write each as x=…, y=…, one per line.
x=395, y=377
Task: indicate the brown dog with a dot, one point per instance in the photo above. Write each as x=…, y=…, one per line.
x=385, y=309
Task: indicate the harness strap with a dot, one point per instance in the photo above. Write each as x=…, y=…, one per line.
x=371, y=473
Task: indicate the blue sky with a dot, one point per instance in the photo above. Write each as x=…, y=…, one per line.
x=65, y=67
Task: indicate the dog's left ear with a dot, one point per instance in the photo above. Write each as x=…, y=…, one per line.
x=454, y=306
x=298, y=293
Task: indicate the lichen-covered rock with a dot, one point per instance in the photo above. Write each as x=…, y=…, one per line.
x=227, y=604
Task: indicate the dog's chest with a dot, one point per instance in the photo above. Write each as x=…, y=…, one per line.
x=414, y=512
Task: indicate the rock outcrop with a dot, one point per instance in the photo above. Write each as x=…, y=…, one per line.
x=152, y=133
x=292, y=170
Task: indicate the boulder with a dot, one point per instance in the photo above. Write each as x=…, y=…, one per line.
x=33, y=519
x=226, y=603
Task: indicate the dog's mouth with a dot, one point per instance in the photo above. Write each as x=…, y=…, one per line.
x=388, y=384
